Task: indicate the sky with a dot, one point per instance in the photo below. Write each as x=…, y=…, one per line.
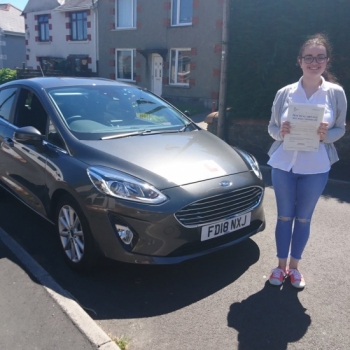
x=20, y=4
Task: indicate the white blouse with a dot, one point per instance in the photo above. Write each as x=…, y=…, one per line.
x=301, y=162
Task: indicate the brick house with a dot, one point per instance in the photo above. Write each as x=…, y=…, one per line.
x=62, y=35
x=171, y=47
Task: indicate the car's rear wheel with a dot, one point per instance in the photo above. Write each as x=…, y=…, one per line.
x=74, y=234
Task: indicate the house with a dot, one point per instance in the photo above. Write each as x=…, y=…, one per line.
x=171, y=47
x=12, y=37
x=62, y=35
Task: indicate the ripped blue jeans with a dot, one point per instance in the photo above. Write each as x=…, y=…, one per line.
x=296, y=198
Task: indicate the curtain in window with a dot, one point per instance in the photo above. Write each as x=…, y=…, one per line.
x=182, y=11
x=125, y=64
x=180, y=67
x=174, y=14
x=186, y=11
x=79, y=26
x=126, y=13
x=44, y=27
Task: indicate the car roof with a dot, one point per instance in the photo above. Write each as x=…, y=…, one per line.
x=51, y=82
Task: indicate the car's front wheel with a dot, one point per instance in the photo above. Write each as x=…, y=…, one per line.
x=74, y=234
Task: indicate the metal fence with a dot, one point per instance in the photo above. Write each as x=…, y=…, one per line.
x=32, y=73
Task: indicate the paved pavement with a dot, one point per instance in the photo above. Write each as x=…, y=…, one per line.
x=37, y=312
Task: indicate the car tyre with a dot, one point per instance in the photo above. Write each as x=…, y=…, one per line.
x=75, y=238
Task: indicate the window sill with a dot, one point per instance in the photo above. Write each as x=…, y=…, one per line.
x=78, y=41
x=126, y=80
x=44, y=42
x=122, y=29
x=181, y=25
x=181, y=86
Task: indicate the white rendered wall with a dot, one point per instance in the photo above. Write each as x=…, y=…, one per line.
x=59, y=46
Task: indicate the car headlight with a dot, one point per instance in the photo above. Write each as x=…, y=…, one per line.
x=251, y=161
x=121, y=185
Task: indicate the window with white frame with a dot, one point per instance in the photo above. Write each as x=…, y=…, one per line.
x=181, y=13
x=180, y=66
x=125, y=64
x=44, y=28
x=125, y=13
x=78, y=26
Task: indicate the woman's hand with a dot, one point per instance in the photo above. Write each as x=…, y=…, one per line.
x=285, y=128
x=322, y=131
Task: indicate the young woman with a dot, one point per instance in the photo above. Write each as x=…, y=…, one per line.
x=299, y=177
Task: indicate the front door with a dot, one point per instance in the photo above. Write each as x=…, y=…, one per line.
x=157, y=74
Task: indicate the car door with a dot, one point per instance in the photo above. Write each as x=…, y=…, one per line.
x=7, y=103
x=25, y=163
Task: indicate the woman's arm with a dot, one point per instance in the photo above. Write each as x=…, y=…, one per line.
x=275, y=121
x=338, y=130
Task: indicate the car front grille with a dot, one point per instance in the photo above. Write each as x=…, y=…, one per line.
x=220, y=207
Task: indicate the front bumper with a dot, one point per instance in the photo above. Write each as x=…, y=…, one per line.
x=159, y=238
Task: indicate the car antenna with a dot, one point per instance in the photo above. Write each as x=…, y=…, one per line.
x=41, y=70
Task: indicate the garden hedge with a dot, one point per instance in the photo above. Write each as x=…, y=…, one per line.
x=264, y=40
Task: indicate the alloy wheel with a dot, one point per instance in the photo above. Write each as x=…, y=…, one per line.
x=71, y=233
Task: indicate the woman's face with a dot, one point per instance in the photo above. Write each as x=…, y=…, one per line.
x=313, y=69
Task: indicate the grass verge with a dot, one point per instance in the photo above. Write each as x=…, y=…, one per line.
x=122, y=342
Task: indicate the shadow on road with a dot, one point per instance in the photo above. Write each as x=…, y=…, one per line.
x=133, y=291
x=117, y=290
x=269, y=319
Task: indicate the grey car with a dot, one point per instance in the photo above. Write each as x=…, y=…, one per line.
x=122, y=173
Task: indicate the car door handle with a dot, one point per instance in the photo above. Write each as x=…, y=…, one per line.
x=8, y=141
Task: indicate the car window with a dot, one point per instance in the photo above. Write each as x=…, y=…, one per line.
x=93, y=112
x=30, y=111
x=149, y=107
x=7, y=97
x=54, y=137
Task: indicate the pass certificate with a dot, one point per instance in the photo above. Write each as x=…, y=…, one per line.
x=304, y=121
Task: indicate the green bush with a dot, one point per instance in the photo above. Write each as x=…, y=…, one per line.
x=7, y=74
x=264, y=40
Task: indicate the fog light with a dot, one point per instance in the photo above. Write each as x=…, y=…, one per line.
x=124, y=233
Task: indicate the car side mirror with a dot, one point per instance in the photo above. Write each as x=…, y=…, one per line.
x=187, y=113
x=28, y=135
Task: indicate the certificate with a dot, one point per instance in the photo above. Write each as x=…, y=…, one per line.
x=304, y=121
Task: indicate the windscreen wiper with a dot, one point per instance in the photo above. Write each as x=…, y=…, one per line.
x=187, y=125
x=119, y=136
x=140, y=133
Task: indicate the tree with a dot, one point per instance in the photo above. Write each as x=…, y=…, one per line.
x=7, y=74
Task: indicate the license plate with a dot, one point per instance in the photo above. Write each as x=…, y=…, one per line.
x=223, y=227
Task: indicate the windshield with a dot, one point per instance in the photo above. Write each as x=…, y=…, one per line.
x=96, y=112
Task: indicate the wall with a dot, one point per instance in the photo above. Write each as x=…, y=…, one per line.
x=154, y=31
x=14, y=50
x=252, y=136
x=59, y=46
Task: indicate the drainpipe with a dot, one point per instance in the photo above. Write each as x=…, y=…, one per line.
x=94, y=5
x=223, y=84
x=1, y=57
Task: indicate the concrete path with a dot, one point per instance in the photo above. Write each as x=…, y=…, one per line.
x=36, y=312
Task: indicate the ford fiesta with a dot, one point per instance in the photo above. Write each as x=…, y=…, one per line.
x=122, y=173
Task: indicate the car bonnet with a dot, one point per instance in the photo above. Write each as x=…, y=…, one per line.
x=174, y=159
